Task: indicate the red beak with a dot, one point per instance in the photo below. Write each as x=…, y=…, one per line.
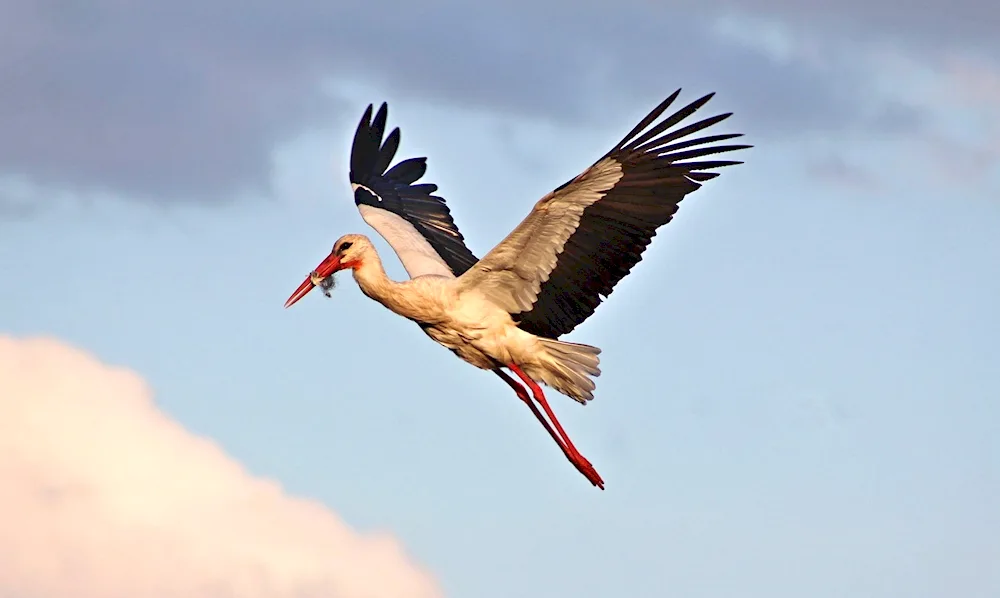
x=328, y=266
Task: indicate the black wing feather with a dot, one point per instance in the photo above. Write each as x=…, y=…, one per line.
x=397, y=193
x=388, y=150
x=408, y=171
x=614, y=231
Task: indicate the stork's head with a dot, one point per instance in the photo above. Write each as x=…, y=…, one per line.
x=348, y=252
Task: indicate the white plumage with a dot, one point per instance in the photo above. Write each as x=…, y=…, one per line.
x=414, y=252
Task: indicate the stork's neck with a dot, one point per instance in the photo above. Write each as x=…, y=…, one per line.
x=374, y=282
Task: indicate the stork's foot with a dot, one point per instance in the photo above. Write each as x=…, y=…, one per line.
x=588, y=471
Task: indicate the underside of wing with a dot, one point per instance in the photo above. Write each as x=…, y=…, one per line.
x=415, y=222
x=586, y=235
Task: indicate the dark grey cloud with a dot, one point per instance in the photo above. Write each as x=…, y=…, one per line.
x=186, y=99
x=109, y=97
x=966, y=24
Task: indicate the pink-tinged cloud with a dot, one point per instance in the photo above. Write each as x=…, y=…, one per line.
x=104, y=496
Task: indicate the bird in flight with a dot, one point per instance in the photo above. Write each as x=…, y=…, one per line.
x=508, y=309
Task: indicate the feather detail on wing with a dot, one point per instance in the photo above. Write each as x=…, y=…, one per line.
x=581, y=239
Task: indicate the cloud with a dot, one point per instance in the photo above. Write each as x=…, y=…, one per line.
x=103, y=496
x=187, y=100
x=974, y=80
x=928, y=23
x=930, y=86
x=960, y=145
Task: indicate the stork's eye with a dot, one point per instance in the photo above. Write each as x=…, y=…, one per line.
x=345, y=247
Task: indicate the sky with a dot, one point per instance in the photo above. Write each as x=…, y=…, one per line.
x=799, y=381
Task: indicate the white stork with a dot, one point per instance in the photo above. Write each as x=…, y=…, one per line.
x=508, y=309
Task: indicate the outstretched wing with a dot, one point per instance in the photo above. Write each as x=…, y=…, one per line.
x=551, y=272
x=415, y=222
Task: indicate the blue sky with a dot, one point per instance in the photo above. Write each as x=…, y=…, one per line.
x=800, y=379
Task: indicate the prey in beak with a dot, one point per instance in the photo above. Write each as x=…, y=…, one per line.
x=321, y=277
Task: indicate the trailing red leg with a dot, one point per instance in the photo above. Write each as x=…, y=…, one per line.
x=563, y=440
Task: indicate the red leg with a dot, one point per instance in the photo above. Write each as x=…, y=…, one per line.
x=578, y=460
x=524, y=396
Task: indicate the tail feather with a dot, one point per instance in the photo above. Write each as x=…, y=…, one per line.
x=568, y=368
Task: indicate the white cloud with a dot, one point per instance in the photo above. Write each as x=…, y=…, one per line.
x=103, y=496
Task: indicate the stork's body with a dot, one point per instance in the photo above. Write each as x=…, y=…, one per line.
x=464, y=320
x=508, y=309
x=465, y=323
